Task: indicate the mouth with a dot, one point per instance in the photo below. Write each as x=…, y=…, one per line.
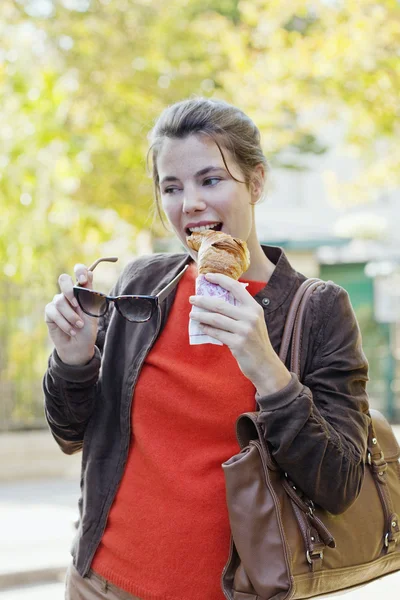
x=217, y=226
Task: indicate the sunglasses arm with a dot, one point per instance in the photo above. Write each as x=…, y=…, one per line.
x=99, y=260
x=168, y=288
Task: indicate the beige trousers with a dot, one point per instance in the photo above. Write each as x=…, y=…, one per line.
x=93, y=587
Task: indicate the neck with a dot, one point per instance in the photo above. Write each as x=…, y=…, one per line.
x=261, y=268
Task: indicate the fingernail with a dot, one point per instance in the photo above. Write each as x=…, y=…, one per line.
x=79, y=324
x=73, y=332
x=82, y=279
x=75, y=302
x=191, y=299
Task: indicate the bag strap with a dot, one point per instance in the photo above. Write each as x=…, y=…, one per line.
x=294, y=322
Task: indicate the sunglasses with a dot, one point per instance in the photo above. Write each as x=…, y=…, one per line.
x=136, y=309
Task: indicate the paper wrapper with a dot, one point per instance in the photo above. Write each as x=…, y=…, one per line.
x=206, y=288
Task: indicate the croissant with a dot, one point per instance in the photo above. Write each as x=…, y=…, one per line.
x=219, y=252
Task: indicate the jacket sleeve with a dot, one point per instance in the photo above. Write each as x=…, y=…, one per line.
x=70, y=394
x=318, y=429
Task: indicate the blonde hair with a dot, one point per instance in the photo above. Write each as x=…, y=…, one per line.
x=227, y=125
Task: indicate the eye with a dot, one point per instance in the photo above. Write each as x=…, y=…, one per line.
x=211, y=181
x=170, y=190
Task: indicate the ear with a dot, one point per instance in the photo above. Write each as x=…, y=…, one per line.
x=257, y=182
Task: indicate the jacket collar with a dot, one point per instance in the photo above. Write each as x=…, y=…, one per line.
x=281, y=282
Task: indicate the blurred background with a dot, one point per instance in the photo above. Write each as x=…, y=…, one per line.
x=81, y=83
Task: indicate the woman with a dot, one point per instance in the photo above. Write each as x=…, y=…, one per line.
x=156, y=422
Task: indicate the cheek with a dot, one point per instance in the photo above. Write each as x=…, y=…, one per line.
x=236, y=208
x=167, y=206
x=224, y=203
x=171, y=211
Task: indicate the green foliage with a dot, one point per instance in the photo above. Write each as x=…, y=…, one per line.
x=376, y=347
x=304, y=65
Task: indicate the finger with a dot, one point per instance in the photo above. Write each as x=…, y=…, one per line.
x=217, y=320
x=55, y=319
x=83, y=276
x=225, y=337
x=72, y=315
x=217, y=305
x=67, y=289
x=231, y=285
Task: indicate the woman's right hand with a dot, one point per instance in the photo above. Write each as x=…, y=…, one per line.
x=72, y=332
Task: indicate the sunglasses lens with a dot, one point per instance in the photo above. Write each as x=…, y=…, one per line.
x=92, y=303
x=136, y=309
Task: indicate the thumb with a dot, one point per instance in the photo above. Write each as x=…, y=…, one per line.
x=84, y=277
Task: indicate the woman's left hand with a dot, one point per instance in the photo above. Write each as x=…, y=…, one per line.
x=243, y=329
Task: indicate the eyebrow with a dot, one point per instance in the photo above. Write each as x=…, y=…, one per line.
x=198, y=174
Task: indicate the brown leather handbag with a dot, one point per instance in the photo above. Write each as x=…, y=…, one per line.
x=282, y=545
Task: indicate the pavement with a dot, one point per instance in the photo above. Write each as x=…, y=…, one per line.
x=44, y=591
x=37, y=529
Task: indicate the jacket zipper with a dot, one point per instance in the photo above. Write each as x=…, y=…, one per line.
x=159, y=320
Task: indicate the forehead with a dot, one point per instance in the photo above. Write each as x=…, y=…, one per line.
x=179, y=157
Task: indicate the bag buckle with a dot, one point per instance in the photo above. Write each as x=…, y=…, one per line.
x=390, y=543
x=377, y=461
x=314, y=556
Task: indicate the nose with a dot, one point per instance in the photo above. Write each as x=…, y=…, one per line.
x=193, y=201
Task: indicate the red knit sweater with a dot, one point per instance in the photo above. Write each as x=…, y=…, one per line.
x=167, y=534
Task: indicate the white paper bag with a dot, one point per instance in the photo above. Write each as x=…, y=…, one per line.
x=206, y=288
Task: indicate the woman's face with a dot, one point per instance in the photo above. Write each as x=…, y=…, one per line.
x=198, y=192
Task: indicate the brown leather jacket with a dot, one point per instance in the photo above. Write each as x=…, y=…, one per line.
x=317, y=429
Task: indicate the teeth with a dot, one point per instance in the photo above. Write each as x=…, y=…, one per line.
x=203, y=228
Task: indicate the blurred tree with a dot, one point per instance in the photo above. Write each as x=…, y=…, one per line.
x=300, y=67
x=84, y=79
x=80, y=85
